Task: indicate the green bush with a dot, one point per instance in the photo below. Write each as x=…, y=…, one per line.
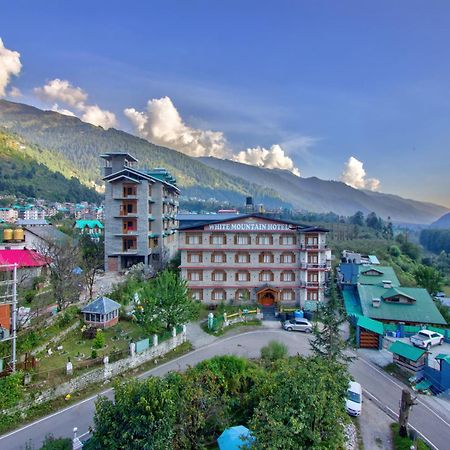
x=94, y=354
x=29, y=295
x=273, y=351
x=11, y=390
x=404, y=443
x=99, y=340
x=52, y=443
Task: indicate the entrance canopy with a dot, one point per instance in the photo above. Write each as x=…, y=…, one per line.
x=268, y=295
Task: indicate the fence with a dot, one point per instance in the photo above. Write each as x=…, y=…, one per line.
x=401, y=330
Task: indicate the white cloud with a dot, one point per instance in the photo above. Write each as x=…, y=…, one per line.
x=273, y=158
x=66, y=112
x=354, y=175
x=14, y=92
x=63, y=91
x=99, y=117
x=162, y=124
x=10, y=65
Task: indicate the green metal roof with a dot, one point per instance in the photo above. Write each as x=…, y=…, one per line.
x=351, y=302
x=392, y=292
x=370, y=324
x=386, y=273
x=88, y=223
x=423, y=310
x=407, y=351
x=443, y=357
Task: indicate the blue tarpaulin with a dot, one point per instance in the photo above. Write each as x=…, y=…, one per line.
x=235, y=438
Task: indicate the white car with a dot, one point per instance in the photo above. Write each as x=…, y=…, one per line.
x=353, y=401
x=425, y=339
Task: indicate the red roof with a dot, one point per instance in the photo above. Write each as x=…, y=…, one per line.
x=23, y=258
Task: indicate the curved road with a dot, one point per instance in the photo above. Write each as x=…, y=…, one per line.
x=384, y=389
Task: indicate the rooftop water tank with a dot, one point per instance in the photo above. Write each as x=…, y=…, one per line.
x=18, y=234
x=8, y=234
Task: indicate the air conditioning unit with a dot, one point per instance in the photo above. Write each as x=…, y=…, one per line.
x=376, y=302
x=387, y=284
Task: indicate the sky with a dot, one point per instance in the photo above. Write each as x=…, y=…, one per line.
x=357, y=91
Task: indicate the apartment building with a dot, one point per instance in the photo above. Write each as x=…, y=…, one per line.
x=254, y=258
x=140, y=214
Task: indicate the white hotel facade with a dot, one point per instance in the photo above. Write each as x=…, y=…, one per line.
x=254, y=258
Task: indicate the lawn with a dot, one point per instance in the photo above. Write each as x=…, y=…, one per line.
x=117, y=338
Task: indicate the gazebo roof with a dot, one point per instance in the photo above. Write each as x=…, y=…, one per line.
x=101, y=305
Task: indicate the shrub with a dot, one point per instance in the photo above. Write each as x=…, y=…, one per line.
x=99, y=340
x=29, y=295
x=11, y=390
x=273, y=351
x=52, y=443
x=94, y=354
x=405, y=443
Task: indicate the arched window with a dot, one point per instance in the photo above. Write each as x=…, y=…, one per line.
x=242, y=258
x=193, y=257
x=218, y=239
x=197, y=294
x=218, y=294
x=242, y=239
x=287, y=258
x=195, y=275
x=287, y=295
x=219, y=275
x=287, y=239
x=242, y=275
x=288, y=275
x=266, y=275
x=264, y=239
x=266, y=257
x=242, y=295
x=218, y=257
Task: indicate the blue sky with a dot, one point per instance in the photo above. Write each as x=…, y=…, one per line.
x=325, y=80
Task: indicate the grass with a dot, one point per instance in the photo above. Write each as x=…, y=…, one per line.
x=222, y=331
x=35, y=412
x=397, y=372
x=404, y=443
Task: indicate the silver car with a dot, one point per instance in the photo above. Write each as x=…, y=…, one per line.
x=298, y=325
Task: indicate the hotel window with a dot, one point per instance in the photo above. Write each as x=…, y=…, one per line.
x=287, y=240
x=218, y=294
x=312, y=295
x=242, y=258
x=242, y=275
x=242, y=239
x=194, y=239
x=313, y=278
x=313, y=259
x=197, y=294
x=219, y=275
x=195, y=257
x=287, y=295
x=193, y=275
x=218, y=239
x=266, y=275
x=288, y=276
x=242, y=295
x=287, y=258
x=264, y=239
x=218, y=258
x=312, y=240
x=266, y=257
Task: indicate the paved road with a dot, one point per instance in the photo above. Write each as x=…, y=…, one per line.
x=384, y=388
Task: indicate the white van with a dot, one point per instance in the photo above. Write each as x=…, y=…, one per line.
x=353, y=401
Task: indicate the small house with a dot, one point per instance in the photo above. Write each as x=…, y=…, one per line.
x=93, y=228
x=101, y=313
x=407, y=357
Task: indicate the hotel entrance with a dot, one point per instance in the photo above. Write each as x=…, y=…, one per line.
x=268, y=296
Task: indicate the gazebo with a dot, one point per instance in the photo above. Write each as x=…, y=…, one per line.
x=235, y=438
x=101, y=313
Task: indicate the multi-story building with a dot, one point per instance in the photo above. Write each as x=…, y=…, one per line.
x=254, y=258
x=8, y=215
x=140, y=214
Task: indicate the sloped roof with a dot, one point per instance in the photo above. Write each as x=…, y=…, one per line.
x=386, y=273
x=23, y=258
x=31, y=222
x=88, y=223
x=101, y=305
x=48, y=233
x=370, y=324
x=392, y=292
x=423, y=310
x=350, y=272
x=407, y=351
x=443, y=357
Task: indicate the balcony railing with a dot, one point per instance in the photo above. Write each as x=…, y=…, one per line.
x=316, y=266
x=313, y=247
x=312, y=284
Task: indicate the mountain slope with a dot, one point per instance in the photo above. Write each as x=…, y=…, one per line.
x=442, y=223
x=81, y=144
x=26, y=171
x=313, y=194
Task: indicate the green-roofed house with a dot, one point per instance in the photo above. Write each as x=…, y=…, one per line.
x=380, y=275
x=369, y=333
x=408, y=357
x=411, y=306
x=93, y=228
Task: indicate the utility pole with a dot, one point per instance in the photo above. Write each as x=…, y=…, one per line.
x=14, y=318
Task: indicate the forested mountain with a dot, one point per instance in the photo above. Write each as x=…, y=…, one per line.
x=314, y=194
x=442, y=222
x=81, y=143
x=28, y=171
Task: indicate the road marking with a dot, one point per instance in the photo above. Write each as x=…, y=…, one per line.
x=402, y=387
x=381, y=405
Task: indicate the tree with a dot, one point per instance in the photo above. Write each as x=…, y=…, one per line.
x=92, y=260
x=63, y=256
x=357, y=219
x=428, y=278
x=372, y=221
x=166, y=300
x=300, y=405
x=328, y=343
x=99, y=340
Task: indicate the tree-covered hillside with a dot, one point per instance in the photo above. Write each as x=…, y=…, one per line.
x=28, y=171
x=81, y=144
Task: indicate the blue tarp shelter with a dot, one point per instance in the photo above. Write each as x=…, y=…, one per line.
x=235, y=438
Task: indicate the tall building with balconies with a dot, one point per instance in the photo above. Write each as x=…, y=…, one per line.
x=140, y=214
x=254, y=258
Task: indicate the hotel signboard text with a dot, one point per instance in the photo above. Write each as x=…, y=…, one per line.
x=248, y=226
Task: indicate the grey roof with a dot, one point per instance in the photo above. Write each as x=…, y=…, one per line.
x=48, y=233
x=30, y=222
x=109, y=155
x=101, y=305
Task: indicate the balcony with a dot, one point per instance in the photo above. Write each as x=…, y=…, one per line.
x=315, y=266
x=123, y=212
x=313, y=247
x=312, y=284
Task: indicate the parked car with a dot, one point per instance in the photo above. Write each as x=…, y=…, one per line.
x=298, y=325
x=353, y=401
x=425, y=339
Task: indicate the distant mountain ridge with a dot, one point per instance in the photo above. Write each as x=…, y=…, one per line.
x=314, y=194
x=80, y=144
x=442, y=223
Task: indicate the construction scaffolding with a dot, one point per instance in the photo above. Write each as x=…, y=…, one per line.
x=8, y=298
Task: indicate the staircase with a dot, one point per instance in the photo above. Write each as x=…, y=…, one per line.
x=268, y=313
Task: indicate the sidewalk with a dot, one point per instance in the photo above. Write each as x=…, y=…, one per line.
x=197, y=337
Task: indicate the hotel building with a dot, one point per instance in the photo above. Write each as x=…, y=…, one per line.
x=140, y=214
x=253, y=258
